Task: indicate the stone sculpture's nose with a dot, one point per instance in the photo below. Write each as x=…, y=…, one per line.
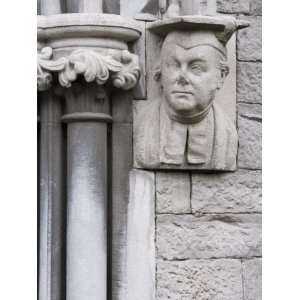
x=181, y=80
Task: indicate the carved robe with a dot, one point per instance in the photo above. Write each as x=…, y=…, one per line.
x=210, y=144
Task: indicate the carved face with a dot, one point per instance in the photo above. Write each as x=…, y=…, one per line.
x=190, y=77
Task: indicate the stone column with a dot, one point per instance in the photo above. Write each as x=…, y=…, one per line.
x=87, y=107
x=50, y=7
x=51, y=198
x=87, y=55
x=84, y=6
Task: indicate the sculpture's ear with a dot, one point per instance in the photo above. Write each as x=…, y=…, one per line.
x=224, y=71
x=157, y=73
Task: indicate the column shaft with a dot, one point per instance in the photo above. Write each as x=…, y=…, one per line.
x=51, y=199
x=50, y=7
x=86, y=196
x=84, y=6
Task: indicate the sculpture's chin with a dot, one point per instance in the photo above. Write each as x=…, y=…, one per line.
x=185, y=105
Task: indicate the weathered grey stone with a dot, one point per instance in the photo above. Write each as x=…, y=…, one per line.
x=210, y=236
x=162, y=131
x=173, y=193
x=138, y=272
x=111, y=7
x=249, y=82
x=226, y=192
x=86, y=236
x=96, y=59
x=50, y=7
x=252, y=279
x=198, y=7
x=139, y=48
x=256, y=7
x=250, y=136
x=122, y=111
x=84, y=6
x=51, y=197
x=249, y=40
x=132, y=7
x=233, y=6
x=219, y=279
x=121, y=165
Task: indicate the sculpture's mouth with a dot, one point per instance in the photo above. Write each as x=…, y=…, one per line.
x=182, y=92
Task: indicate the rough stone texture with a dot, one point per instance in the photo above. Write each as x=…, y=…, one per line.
x=219, y=279
x=233, y=6
x=252, y=277
x=211, y=236
x=249, y=40
x=250, y=135
x=249, y=82
x=256, y=7
x=227, y=192
x=173, y=193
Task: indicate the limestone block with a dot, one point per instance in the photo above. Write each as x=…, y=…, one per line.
x=137, y=279
x=173, y=193
x=226, y=192
x=256, y=7
x=219, y=279
x=210, y=236
x=249, y=82
x=233, y=6
x=252, y=277
x=250, y=136
x=249, y=40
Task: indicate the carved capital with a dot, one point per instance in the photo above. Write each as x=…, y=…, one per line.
x=124, y=72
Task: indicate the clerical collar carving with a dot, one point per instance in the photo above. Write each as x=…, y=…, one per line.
x=192, y=141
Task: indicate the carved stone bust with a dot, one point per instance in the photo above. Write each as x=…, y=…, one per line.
x=185, y=128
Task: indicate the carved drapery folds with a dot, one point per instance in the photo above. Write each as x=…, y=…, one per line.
x=93, y=65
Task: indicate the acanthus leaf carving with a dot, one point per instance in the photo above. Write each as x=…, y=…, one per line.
x=93, y=65
x=128, y=76
x=45, y=66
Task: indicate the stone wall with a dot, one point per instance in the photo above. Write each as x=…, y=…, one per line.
x=208, y=226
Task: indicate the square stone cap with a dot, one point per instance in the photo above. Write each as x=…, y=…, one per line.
x=222, y=26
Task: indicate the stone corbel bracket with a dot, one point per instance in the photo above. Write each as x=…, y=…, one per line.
x=90, y=45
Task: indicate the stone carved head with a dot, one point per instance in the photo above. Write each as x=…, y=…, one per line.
x=187, y=126
x=193, y=68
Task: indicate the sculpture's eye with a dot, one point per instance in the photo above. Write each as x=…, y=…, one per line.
x=172, y=64
x=197, y=67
